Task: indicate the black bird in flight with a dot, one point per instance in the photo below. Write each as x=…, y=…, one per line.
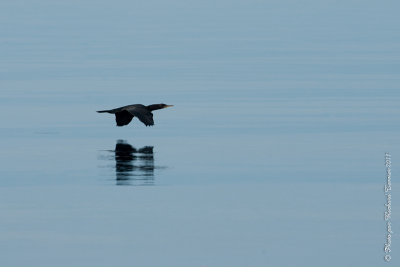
x=125, y=114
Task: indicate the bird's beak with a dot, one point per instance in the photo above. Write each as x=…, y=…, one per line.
x=167, y=106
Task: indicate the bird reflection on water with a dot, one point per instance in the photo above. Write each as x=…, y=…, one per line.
x=134, y=166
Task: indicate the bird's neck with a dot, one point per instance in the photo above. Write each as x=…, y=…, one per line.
x=154, y=107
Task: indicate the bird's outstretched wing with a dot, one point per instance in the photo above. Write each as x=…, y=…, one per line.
x=142, y=114
x=123, y=118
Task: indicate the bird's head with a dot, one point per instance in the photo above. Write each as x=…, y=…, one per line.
x=166, y=106
x=158, y=106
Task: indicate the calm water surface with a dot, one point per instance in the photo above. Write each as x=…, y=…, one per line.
x=273, y=154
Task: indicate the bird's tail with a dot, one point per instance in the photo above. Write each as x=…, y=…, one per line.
x=108, y=111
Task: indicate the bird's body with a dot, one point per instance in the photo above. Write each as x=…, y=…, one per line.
x=125, y=114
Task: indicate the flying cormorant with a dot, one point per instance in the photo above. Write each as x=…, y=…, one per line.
x=125, y=114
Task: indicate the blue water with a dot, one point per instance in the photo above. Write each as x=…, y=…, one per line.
x=273, y=154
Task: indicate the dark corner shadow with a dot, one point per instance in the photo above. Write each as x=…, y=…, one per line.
x=133, y=166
